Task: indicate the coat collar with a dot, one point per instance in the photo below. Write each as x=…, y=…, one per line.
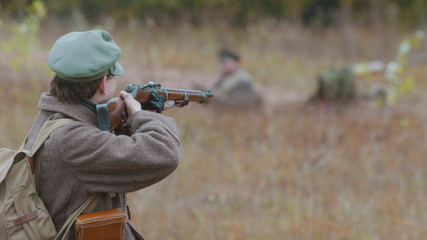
x=75, y=111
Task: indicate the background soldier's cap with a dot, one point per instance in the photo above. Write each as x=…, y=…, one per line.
x=227, y=53
x=85, y=56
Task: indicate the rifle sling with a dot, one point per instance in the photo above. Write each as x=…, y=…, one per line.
x=90, y=105
x=103, y=116
x=102, y=113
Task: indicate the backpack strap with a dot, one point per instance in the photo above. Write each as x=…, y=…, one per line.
x=23, y=143
x=47, y=129
x=87, y=207
x=44, y=133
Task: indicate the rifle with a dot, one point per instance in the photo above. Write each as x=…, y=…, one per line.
x=112, y=116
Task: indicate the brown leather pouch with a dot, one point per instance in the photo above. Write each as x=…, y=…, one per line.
x=100, y=225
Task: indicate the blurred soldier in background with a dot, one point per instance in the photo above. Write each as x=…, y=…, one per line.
x=336, y=85
x=235, y=88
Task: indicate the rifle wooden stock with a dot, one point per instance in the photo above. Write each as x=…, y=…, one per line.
x=142, y=93
x=118, y=116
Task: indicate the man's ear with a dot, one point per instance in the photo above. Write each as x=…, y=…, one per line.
x=103, y=85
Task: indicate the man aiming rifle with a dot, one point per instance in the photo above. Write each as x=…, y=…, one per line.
x=79, y=160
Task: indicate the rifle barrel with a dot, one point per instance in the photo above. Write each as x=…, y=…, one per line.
x=142, y=93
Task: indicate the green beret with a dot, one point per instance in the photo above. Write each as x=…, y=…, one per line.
x=85, y=56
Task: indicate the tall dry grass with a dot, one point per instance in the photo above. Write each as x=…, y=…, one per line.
x=299, y=173
x=289, y=171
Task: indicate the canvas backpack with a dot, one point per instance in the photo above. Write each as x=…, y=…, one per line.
x=22, y=213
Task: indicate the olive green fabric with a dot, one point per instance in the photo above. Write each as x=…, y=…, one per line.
x=85, y=56
x=18, y=195
x=336, y=84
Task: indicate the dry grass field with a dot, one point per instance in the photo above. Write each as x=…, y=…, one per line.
x=293, y=170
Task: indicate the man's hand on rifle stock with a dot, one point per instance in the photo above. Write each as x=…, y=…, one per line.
x=132, y=105
x=156, y=103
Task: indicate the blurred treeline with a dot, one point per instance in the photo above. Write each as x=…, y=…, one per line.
x=406, y=13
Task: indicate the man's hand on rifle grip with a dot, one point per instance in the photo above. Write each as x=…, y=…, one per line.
x=132, y=105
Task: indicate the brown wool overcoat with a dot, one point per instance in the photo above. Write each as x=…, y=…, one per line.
x=78, y=159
